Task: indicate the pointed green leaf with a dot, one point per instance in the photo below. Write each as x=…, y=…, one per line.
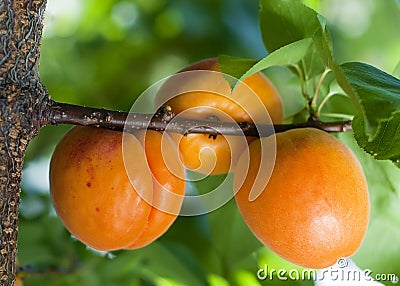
x=377, y=126
x=289, y=21
x=377, y=92
x=288, y=55
x=323, y=42
x=385, y=144
x=286, y=21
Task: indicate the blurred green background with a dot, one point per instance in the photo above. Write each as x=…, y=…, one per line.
x=106, y=53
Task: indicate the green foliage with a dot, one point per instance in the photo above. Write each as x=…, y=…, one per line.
x=285, y=22
x=373, y=88
x=288, y=55
x=384, y=145
x=288, y=29
x=376, y=129
x=298, y=37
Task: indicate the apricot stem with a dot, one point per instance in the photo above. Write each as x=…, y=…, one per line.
x=303, y=77
x=314, y=100
x=64, y=113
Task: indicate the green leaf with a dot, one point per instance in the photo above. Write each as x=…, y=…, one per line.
x=323, y=42
x=320, y=56
x=376, y=127
x=286, y=21
x=314, y=4
x=293, y=34
x=288, y=55
x=171, y=261
x=377, y=92
x=233, y=241
x=385, y=144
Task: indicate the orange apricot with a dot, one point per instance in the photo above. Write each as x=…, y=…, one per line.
x=92, y=193
x=168, y=175
x=315, y=207
x=208, y=96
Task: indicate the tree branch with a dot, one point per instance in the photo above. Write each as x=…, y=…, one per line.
x=163, y=119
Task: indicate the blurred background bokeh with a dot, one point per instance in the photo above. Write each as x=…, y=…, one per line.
x=106, y=53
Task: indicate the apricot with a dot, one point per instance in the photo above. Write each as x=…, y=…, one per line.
x=167, y=180
x=96, y=199
x=208, y=96
x=315, y=207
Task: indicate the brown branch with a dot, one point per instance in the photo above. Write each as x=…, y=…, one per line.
x=63, y=113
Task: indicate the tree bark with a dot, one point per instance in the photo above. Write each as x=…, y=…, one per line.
x=22, y=100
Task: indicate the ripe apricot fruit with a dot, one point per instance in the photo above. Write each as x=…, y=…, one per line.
x=166, y=181
x=208, y=96
x=315, y=207
x=93, y=195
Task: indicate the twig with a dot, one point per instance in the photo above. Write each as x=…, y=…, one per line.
x=63, y=113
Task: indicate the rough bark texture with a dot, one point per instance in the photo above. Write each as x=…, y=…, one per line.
x=22, y=97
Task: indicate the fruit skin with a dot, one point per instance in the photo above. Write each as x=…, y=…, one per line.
x=199, y=97
x=315, y=207
x=91, y=191
x=166, y=180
